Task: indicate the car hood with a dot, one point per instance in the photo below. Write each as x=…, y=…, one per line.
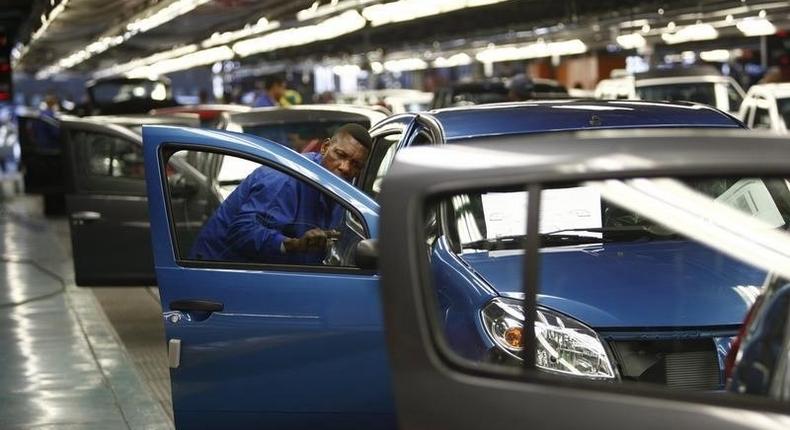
x=632, y=285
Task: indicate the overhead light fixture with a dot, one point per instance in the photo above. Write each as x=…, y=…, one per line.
x=141, y=23
x=407, y=10
x=376, y=67
x=534, y=50
x=631, y=41
x=691, y=33
x=120, y=69
x=330, y=28
x=198, y=58
x=262, y=26
x=756, y=27
x=405, y=65
x=317, y=10
x=460, y=59
x=20, y=50
x=715, y=56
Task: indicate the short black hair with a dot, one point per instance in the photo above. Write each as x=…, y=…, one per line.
x=273, y=80
x=356, y=131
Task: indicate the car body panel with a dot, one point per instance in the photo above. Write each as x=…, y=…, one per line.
x=764, y=97
x=539, y=117
x=472, y=396
x=268, y=292
x=611, y=282
x=108, y=216
x=286, y=343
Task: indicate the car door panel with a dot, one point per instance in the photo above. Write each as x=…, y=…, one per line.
x=107, y=213
x=291, y=347
x=110, y=240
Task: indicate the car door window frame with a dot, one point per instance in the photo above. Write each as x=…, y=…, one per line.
x=453, y=362
x=167, y=150
x=82, y=181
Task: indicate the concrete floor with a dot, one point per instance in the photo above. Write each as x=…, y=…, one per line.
x=72, y=359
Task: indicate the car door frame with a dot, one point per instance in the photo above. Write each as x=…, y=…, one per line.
x=131, y=192
x=479, y=396
x=185, y=280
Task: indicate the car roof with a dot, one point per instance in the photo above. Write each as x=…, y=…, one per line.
x=672, y=72
x=300, y=113
x=780, y=90
x=561, y=115
x=601, y=153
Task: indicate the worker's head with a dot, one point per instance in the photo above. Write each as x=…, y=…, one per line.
x=345, y=153
x=276, y=86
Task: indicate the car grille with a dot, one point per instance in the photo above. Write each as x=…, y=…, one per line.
x=683, y=365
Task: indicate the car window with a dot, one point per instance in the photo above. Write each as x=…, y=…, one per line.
x=101, y=154
x=623, y=296
x=697, y=92
x=268, y=217
x=384, y=148
x=734, y=97
x=762, y=118
x=783, y=106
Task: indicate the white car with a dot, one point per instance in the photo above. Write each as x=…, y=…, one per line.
x=700, y=85
x=767, y=106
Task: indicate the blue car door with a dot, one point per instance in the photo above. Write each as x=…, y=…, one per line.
x=258, y=345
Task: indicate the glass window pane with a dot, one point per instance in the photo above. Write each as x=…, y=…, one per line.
x=641, y=282
x=266, y=217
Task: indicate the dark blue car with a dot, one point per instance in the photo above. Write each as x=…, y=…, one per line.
x=279, y=346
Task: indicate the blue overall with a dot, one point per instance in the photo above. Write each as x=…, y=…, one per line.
x=266, y=208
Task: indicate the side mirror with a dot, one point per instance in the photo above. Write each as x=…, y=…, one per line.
x=367, y=254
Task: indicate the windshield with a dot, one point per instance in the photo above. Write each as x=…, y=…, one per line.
x=303, y=136
x=698, y=92
x=578, y=215
x=784, y=110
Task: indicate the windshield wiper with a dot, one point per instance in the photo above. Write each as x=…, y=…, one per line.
x=565, y=237
x=624, y=232
x=518, y=241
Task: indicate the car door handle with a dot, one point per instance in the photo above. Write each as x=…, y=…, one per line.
x=196, y=305
x=83, y=217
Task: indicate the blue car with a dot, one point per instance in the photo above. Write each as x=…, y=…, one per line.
x=255, y=345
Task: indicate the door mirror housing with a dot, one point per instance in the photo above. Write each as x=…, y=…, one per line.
x=367, y=254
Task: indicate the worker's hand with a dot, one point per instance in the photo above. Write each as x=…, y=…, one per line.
x=312, y=240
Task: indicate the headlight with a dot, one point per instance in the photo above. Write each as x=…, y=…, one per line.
x=564, y=345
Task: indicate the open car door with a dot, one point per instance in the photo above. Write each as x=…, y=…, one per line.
x=107, y=204
x=542, y=383
x=261, y=344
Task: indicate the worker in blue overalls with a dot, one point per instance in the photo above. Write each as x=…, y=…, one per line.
x=272, y=217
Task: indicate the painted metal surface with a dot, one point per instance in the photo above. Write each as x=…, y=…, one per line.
x=540, y=117
x=685, y=283
x=295, y=349
x=299, y=349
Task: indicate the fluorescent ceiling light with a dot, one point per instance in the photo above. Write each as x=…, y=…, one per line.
x=631, y=41
x=405, y=64
x=716, y=55
x=347, y=22
x=120, y=69
x=262, y=26
x=534, y=50
x=756, y=27
x=460, y=59
x=138, y=25
x=198, y=58
x=317, y=10
x=691, y=33
x=20, y=49
x=407, y=10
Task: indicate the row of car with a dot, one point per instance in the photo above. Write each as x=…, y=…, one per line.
x=764, y=106
x=625, y=295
